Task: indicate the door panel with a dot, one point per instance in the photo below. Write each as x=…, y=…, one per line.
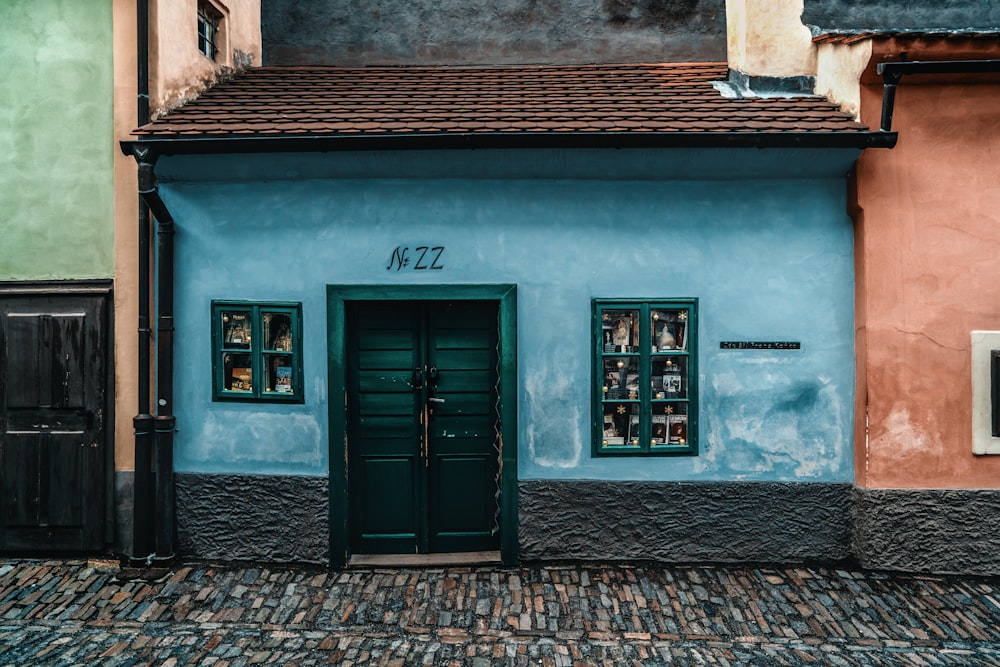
x=52, y=407
x=463, y=430
x=422, y=426
x=384, y=410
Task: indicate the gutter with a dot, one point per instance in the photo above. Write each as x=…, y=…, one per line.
x=892, y=74
x=238, y=144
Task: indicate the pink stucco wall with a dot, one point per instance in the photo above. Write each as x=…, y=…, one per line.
x=928, y=267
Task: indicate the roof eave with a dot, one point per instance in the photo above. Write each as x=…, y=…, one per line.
x=235, y=144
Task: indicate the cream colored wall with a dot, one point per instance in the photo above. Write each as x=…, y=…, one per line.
x=126, y=232
x=838, y=71
x=767, y=38
x=178, y=70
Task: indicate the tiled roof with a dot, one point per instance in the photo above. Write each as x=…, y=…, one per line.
x=635, y=99
x=853, y=36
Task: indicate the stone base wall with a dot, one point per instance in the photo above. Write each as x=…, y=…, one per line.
x=684, y=521
x=285, y=520
x=279, y=519
x=124, y=516
x=928, y=530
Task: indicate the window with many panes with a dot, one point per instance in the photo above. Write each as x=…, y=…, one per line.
x=257, y=351
x=645, y=388
x=209, y=29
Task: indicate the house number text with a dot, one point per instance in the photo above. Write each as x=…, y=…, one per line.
x=419, y=258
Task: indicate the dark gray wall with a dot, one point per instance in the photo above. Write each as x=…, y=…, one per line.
x=684, y=521
x=284, y=520
x=928, y=530
x=902, y=14
x=253, y=517
x=452, y=32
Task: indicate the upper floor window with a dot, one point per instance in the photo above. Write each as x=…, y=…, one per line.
x=209, y=29
x=645, y=387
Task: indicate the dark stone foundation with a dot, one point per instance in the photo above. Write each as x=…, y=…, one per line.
x=284, y=519
x=684, y=521
x=277, y=519
x=124, y=518
x=928, y=530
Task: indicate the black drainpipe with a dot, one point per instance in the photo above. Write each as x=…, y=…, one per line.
x=892, y=73
x=142, y=504
x=165, y=420
x=153, y=523
x=159, y=529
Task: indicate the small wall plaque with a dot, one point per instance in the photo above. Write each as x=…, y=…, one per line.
x=760, y=345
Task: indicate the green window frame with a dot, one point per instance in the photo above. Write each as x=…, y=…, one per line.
x=645, y=377
x=257, y=351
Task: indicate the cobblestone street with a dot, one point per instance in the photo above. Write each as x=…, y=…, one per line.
x=87, y=613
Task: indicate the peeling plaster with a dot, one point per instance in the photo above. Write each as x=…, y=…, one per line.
x=230, y=436
x=900, y=437
x=555, y=419
x=764, y=422
x=194, y=81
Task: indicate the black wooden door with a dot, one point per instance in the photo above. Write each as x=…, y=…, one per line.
x=52, y=422
x=423, y=430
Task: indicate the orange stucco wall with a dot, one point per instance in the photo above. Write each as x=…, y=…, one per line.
x=126, y=233
x=928, y=265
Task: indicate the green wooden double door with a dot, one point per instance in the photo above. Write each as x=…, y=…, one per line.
x=423, y=426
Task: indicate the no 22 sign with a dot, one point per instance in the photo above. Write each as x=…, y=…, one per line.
x=419, y=258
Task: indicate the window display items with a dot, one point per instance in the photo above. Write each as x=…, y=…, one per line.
x=236, y=329
x=620, y=331
x=282, y=375
x=668, y=329
x=677, y=429
x=278, y=331
x=238, y=372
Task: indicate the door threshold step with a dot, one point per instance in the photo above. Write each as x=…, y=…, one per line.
x=425, y=560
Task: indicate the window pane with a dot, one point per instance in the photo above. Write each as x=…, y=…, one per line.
x=621, y=378
x=620, y=329
x=669, y=425
x=236, y=329
x=621, y=425
x=278, y=331
x=279, y=374
x=669, y=327
x=237, y=372
x=669, y=377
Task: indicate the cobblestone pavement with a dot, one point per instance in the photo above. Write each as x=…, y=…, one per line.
x=88, y=613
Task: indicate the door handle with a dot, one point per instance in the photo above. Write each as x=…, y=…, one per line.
x=435, y=399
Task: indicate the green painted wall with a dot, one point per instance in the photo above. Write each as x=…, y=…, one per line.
x=56, y=140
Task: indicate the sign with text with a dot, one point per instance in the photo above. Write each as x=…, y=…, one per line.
x=417, y=258
x=759, y=345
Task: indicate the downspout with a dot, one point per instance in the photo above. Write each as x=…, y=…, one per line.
x=165, y=420
x=154, y=527
x=161, y=529
x=143, y=423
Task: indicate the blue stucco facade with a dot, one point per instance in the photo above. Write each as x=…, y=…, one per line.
x=760, y=237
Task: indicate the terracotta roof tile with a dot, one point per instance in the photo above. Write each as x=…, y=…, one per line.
x=634, y=98
x=853, y=36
